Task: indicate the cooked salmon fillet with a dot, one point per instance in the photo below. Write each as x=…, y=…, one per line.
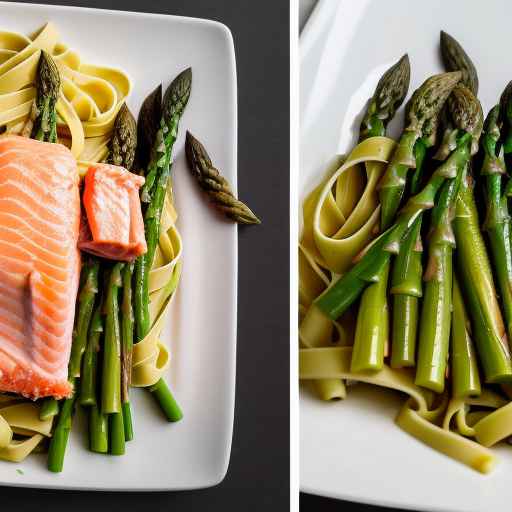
x=39, y=265
x=114, y=227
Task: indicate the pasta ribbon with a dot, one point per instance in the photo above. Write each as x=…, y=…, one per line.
x=21, y=418
x=340, y=217
x=150, y=355
x=89, y=100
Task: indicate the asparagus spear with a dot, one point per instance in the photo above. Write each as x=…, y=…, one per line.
x=86, y=299
x=467, y=118
x=215, y=185
x=497, y=220
x=406, y=289
x=465, y=376
x=387, y=98
x=477, y=284
x=126, y=350
x=111, y=376
x=48, y=86
x=506, y=117
x=435, y=334
x=60, y=436
x=98, y=421
x=422, y=119
x=153, y=193
x=372, y=326
x=88, y=376
x=456, y=59
x=122, y=152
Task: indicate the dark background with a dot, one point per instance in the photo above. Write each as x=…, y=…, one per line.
x=258, y=474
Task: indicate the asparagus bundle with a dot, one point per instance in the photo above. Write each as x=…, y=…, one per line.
x=472, y=262
x=372, y=326
x=153, y=195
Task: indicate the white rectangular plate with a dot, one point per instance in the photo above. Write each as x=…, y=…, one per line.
x=352, y=449
x=201, y=330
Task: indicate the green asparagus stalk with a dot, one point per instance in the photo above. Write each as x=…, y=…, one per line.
x=215, y=185
x=406, y=289
x=89, y=380
x=422, y=115
x=49, y=409
x=475, y=278
x=497, y=220
x=436, y=308
x=126, y=350
x=464, y=366
x=153, y=193
x=86, y=299
x=387, y=98
x=60, y=436
x=506, y=117
x=98, y=430
x=456, y=59
x=122, y=151
x=372, y=328
x=123, y=142
x=111, y=375
x=48, y=87
x=98, y=421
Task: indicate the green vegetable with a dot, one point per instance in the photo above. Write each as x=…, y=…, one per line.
x=48, y=87
x=153, y=193
x=111, y=376
x=215, y=185
x=465, y=376
x=60, y=435
x=126, y=350
x=86, y=298
x=475, y=278
x=98, y=430
x=421, y=123
x=372, y=327
x=406, y=288
x=456, y=59
x=89, y=384
x=435, y=320
x=389, y=95
x=497, y=220
x=124, y=139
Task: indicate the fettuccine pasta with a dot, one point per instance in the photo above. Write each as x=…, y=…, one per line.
x=340, y=218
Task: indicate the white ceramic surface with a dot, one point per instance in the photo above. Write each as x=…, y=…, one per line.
x=352, y=449
x=201, y=329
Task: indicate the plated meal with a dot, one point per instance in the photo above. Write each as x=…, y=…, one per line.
x=405, y=262
x=90, y=253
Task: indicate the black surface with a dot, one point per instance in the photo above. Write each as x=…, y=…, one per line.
x=311, y=503
x=258, y=475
